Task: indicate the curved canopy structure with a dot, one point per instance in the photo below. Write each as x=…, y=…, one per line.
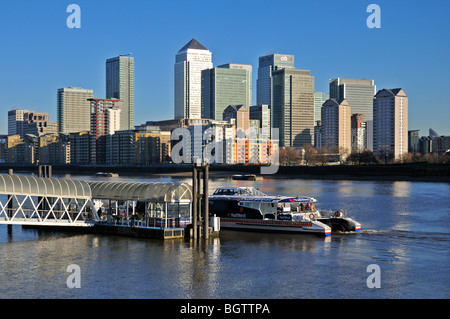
x=49, y=187
x=151, y=192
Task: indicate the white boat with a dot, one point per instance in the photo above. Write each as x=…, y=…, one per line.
x=246, y=208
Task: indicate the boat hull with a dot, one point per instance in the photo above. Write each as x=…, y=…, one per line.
x=343, y=224
x=274, y=226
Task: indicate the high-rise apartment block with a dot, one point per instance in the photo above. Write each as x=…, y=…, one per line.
x=390, y=123
x=22, y=122
x=105, y=121
x=358, y=93
x=228, y=84
x=120, y=85
x=267, y=65
x=358, y=133
x=336, y=131
x=189, y=63
x=15, y=121
x=74, y=109
x=293, y=106
x=143, y=145
x=238, y=115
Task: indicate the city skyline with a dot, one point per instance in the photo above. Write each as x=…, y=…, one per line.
x=34, y=28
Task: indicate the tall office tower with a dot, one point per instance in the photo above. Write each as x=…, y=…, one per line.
x=413, y=141
x=225, y=85
x=105, y=121
x=120, y=85
x=293, y=107
x=267, y=65
x=74, y=110
x=336, y=130
x=358, y=133
x=390, y=123
x=319, y=99
x=189, y=63
x=358, y=93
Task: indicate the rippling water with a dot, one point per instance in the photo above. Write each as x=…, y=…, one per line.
x=406, y=233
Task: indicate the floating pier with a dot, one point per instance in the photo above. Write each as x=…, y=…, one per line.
x=145, y=210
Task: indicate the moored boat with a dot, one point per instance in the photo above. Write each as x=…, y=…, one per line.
x=247, y=177
x=246, y=208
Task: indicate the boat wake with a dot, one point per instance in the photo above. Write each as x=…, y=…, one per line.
x=407, y=234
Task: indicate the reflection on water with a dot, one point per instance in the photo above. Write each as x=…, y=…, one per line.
x=399, y=235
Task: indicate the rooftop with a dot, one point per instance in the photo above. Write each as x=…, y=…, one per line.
x=193, y=44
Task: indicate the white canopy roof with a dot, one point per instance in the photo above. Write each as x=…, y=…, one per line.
x=151, y=192
x=50, y=187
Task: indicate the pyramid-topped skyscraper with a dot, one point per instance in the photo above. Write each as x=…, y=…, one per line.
x=190, y=60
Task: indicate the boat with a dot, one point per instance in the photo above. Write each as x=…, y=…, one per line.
x=248, y=209
x=107, y=174
x=247, y=177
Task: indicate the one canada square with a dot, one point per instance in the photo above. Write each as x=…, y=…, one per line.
x=189, y=63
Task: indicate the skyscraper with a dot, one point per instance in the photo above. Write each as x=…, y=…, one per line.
x=229, y=84
x=358, y=93
x=390, y=123
x=413, y=141
x=120, y=85
x=293, y=106
x=268, y=64
x=319, y=99
x=336, y=131
x=189, y=63
x=74, y=109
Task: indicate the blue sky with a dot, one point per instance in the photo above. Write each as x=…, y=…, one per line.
x=41, y=54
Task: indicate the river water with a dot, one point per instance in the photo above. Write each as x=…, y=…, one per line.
x=405, y=234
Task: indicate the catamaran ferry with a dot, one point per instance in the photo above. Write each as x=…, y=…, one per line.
x=246, y=208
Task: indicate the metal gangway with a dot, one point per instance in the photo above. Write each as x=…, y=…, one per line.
x=36, y=201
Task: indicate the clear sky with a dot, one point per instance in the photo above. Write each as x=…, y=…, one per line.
x=40, y=54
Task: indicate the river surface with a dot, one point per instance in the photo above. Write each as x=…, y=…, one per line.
x=405, y=234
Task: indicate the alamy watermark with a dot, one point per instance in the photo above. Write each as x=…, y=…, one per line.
x=374, y=19
x=74, y=279
x=74, y=19
x=374, y=279
x=213, y=145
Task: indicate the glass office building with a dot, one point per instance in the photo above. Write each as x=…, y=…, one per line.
x=319, y=99
x=267, y=65
x=293, y=107
x=189, y=63
x=358, y=93
x=229, y=84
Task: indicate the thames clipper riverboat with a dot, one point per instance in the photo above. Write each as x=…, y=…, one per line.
x=246, y=208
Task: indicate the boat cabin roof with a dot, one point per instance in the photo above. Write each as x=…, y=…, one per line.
x=238, y=191
x=250, y=194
